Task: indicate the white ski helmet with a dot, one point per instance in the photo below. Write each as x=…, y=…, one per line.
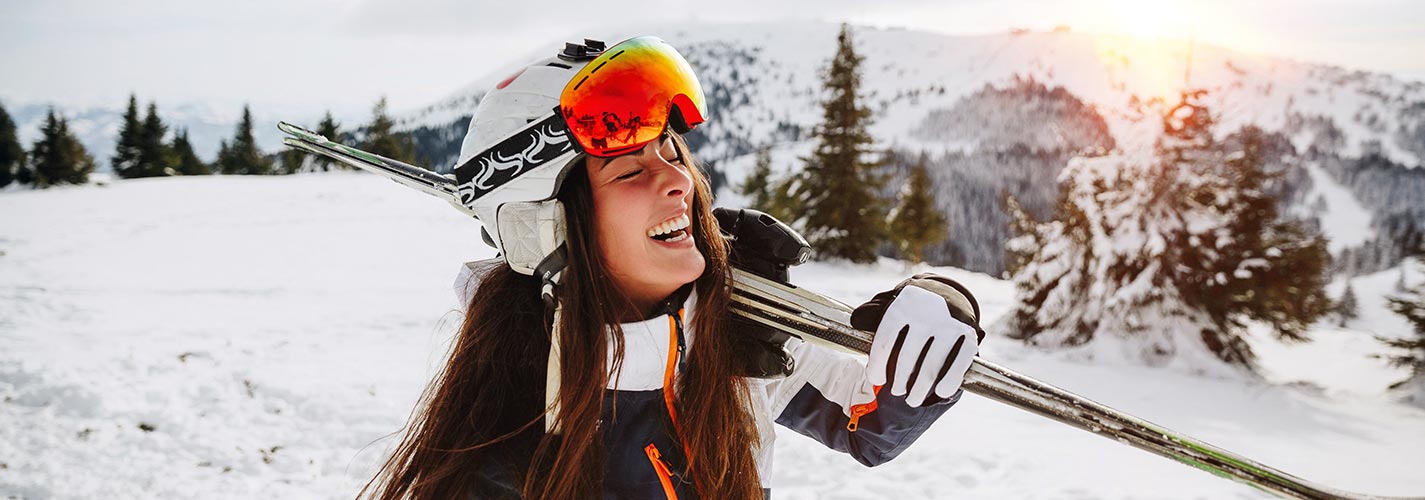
x=522, y=139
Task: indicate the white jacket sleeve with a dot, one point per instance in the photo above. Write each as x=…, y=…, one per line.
x=828, y=399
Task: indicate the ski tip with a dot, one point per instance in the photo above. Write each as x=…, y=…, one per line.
x=295, y=130
x=299, y=144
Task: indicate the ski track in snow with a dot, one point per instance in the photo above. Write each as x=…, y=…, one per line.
x=262, y=337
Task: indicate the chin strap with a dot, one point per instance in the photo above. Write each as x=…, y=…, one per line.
x=549, y=271
x=551, y=379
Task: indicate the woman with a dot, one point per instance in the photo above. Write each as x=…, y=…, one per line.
x=597, y=357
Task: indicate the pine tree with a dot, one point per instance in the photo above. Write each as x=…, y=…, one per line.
x=1173, y=257
x=187, y=162
x=242, y=157
x=58, y=157
x=12, y=154
x=128, y=148
x=758, y=185
x=24, y=175
x=83, y=162
x=382, y=139
x=155, y=157
x=765, y=193
x=291, y=160
x=915, y=223
x=1023, y=247
x=224, y=154
x=1262, y=268
x=1410, y=350
x=330, y=129
x=1348, y=309
x=836, y=193
x=1103, y=267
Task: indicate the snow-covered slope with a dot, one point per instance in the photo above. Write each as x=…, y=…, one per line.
x=260, y=337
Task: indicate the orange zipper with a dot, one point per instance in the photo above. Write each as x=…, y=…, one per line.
x=665, y=476
x=858, y=410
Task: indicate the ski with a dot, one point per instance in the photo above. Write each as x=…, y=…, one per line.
x=420, y=179
x=815, y=318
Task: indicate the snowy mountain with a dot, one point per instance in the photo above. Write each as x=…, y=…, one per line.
x=1005, y=112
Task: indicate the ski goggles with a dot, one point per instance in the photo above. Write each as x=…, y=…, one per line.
x=629, y=95
x=623, y=99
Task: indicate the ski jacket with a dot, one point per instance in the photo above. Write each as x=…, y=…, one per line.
x=825, y=398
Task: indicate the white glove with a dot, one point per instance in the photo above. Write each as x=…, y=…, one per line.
x=919, y=321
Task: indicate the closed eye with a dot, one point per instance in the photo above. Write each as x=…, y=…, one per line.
x=629, y=175
x=677, y=156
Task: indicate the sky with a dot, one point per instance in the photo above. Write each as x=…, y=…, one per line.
x=310, y=55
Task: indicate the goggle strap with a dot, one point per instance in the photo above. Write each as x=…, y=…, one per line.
x=529, y=148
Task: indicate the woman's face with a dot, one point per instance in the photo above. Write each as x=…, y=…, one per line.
x=642, y=219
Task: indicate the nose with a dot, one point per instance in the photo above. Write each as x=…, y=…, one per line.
x=674, y=181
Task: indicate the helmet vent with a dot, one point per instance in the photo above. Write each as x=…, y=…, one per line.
x=581, y=52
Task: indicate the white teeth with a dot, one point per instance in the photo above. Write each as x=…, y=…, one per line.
x=679, y=222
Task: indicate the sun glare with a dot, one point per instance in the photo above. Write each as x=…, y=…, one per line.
x=1152, y=19
x=1146, y=53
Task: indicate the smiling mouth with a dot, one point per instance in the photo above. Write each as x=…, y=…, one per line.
x=671, y=230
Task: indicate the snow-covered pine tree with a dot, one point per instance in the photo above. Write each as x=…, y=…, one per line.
x=1265, y=269
x=1023, y=248
x=241, y=156
x=1136, y=253
x=12, y=154
x=835, y=195
x=125, y=161
x=382, y=139
x=1102, y=269
x=1348, y=308
x=915, y=222
x=188, y=162
x=1410, y=350
x=156, y=158
x=58, y=157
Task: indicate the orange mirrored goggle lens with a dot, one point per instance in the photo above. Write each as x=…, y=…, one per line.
x=629, y=95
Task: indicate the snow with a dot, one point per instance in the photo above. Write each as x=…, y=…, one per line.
x=1344, y=221
x=273, y=332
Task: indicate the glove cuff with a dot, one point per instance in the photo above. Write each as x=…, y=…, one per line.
x=962, y=303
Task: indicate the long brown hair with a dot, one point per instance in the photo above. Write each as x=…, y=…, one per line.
x=485, y=408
